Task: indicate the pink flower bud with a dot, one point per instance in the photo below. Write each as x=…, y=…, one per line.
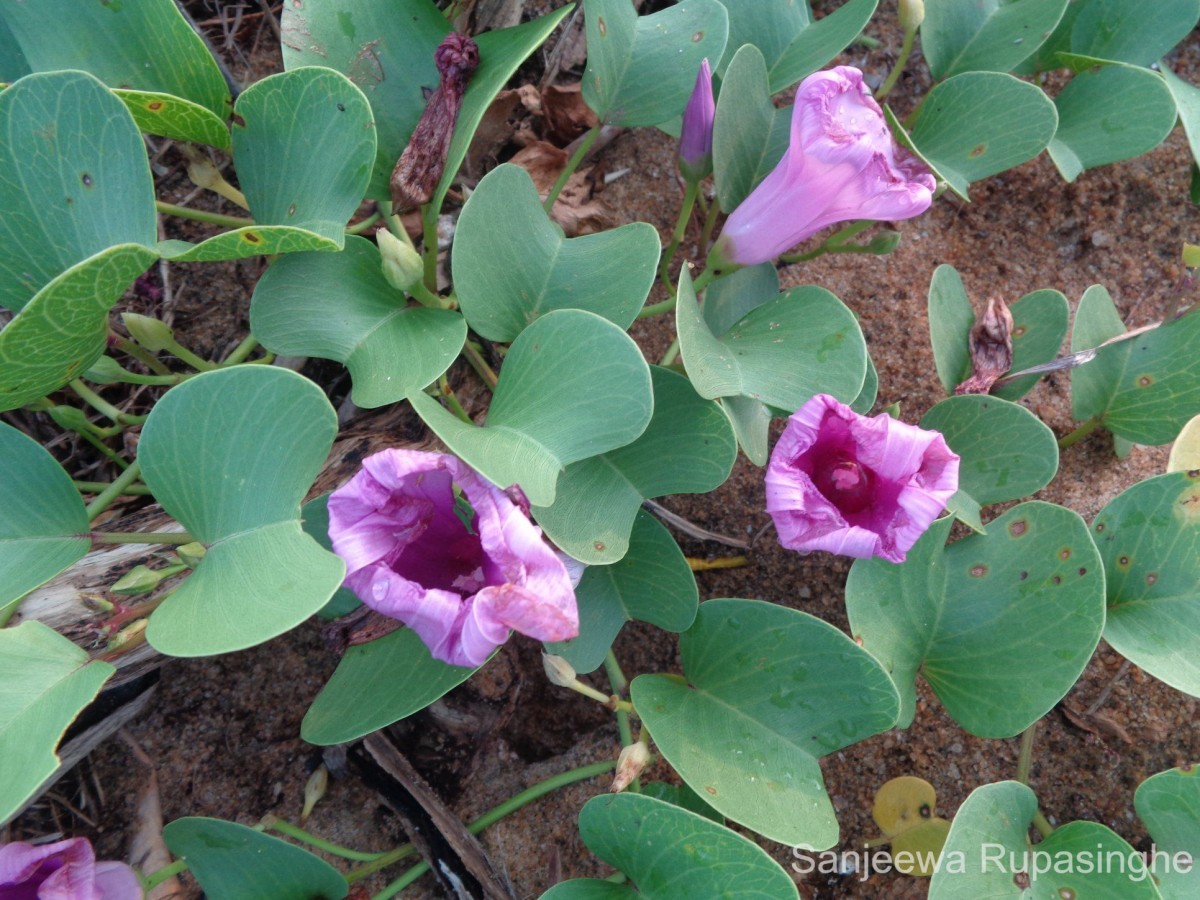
x=460, y=567
x=854, y=485
x=696, y=136
x=840, y=165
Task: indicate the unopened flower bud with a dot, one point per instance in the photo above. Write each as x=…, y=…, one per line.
x=153, y=334
x=191, y=554
x=402, y=265
x=630, y=764
x=314, y=790
x=696, y=134
x=68, y=417
x=912, y=14
x=991, y=349
x=883, y=243
x=558, y=670
x=138, y=580
x=105, y=370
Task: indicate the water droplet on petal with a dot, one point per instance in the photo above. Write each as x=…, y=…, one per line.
x=381, y=587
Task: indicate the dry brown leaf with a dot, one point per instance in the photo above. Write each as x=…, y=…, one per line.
x=567, y=116
x=578, y=211
x=496, y=129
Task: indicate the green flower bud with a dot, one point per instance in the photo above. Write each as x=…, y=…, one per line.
x=105, y=370
x=138, y=580
x=191, y=554
x=69, y=417
x=402, y=265
x=912, y=14
x=883, y=243
x=151, y=333
x=558, y=670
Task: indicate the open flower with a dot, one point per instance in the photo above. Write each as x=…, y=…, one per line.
x=696, y=134
x=428, y=541
x=854, y=485
x=65, y=870
x=841, y=164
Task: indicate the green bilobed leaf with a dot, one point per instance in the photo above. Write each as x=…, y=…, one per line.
x=989, y=842
x=1108, y=114
x=1169, y=805
x=304, y=146
x=1149, y=539
x=45, y=681
x=314, y=519
x=386, y=48
x=1039, y=326
x=641, y=70
x=233, y=861
x=1147, y=387
x=601, y=400
x=683, y=796
x=658, y=846
x=768, y=691
x=500, y=54
x=1000, y=625
x=43, y=523
x=512, y=264
x=176, y=118
x=64, y=328
x=651, y=583
x=820, y=42
x=728, y=299
x=950, y=319
x=230, y=454
x=979, y=123
x=751, y=421
x=377, y=684
x=74, y=181
x=784, y=351
x=143, y=46
x=1187, y=101
x=13, y=64
x=1007, y=452
x=1096, y=320
x=769, y=25
x=749, y=134
x=990, y=37
x=688, y=448
x=1131, y=32
x=340, y=306
x=251, y=240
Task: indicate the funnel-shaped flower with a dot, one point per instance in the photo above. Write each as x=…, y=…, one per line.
x=854, y=485
x=696, y=135
x=428, y=541
x=65, y=870
x=841, y=164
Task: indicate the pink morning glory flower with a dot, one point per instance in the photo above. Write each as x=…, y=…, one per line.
x=428, y=541
x=65, y=870
x=696, y=135
x=841, y=164
x=855, y=485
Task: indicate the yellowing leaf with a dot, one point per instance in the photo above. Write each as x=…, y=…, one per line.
x=1185, y=452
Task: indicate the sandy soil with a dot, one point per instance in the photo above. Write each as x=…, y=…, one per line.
x=224, y=732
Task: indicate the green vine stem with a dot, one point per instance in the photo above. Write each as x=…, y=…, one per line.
x=429, y=218
x=365, y=224
x=585, y=144
x=472, y=355
x=200, y=215
x=710, y=222
x=141, y=537
x=838, y=242
x=489, y=818
x=158, y=876
x=1025, y=754
x=139, y=353
x=95, y=487
x=657, y=309
x=618, y=682
x=120, y=485
x=102, y=406
x=685, y=215
x=274, y=823
x=239, y=353
x=187, y=356
x=451, y=399
x=902, y=61
x=1079, y=433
